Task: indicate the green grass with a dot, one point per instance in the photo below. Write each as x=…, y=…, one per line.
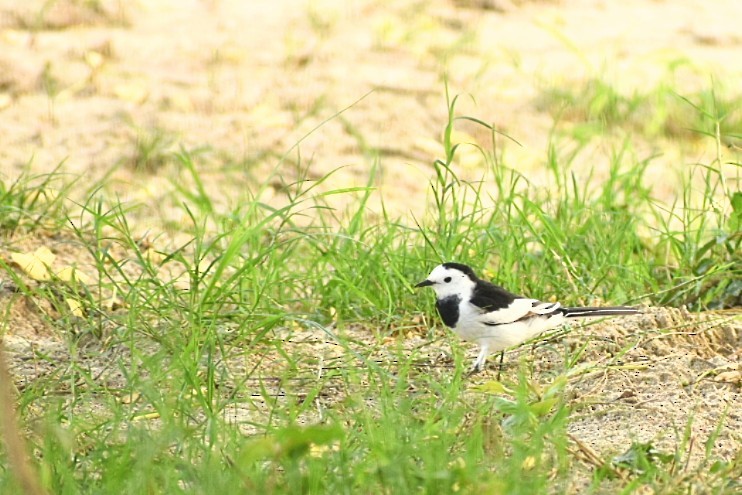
x=595, y=106
x=147, y=399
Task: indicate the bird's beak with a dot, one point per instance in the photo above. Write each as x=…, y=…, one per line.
x=425, y=283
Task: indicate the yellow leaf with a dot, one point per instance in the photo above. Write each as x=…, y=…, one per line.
x=71, y=274
x=130, y=398
x=36, y=265
x=45, y=255
x=75, y=307
x=66, y=274
x=492, y=387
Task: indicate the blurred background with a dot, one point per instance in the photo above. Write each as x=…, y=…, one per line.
x=284, y=90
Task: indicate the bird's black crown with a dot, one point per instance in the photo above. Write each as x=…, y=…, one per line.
x=462, y=268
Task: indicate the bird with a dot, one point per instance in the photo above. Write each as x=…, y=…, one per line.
x=482, y=312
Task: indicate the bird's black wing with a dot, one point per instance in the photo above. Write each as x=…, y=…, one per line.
x=500, y=306
x=491, y=297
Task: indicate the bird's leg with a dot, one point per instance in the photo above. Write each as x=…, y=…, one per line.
x=473, y=371
x=499, y=368
x=481, y=358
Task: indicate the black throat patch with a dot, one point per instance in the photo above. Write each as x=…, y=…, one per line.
x=448, y=308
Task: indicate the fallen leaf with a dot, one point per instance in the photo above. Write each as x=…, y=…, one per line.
x=130, y=398
x=71, y=274
x=75, y=307
x=492, y=387
x=36, y=265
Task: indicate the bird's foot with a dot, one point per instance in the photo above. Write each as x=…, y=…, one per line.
x=476, y=369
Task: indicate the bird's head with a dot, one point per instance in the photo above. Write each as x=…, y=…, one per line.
x=451, y=279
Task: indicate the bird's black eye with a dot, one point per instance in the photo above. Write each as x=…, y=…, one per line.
x=447, y=279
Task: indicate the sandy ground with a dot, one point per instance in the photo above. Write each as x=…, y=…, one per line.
x=241, y=83
x=114, y=87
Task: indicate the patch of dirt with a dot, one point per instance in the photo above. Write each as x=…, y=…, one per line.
x=120, y=85
x=680, y=370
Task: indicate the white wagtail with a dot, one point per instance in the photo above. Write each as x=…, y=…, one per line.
x=494, y=318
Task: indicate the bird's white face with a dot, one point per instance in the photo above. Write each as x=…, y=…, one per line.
x=449, y=281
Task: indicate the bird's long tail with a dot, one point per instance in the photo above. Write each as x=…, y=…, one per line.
x=597, y=312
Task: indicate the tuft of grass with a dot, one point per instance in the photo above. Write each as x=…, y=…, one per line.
x=29, y=202
x=701, y=235
x=595, y=105
x=151, y=150
x=68, y=14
